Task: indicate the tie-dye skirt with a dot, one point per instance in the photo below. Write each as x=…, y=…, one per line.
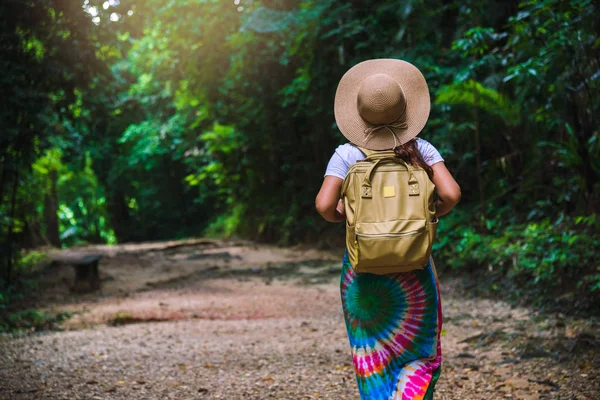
x=393, y=323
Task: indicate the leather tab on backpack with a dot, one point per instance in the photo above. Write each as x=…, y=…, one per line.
x=366, y=192
x=413, y=189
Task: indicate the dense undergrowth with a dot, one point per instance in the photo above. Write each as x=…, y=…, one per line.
x=16, y=311
x=552, y=264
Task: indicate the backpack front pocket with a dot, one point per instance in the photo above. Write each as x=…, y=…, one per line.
x=400, y=243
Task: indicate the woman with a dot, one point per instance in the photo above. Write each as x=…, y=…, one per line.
x=393, y=321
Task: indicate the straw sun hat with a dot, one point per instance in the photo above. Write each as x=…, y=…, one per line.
x=382, y=103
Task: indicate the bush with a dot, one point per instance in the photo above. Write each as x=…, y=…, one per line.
x=32, y=320
x=551, y=258
x=30, y=262
x=25, y=277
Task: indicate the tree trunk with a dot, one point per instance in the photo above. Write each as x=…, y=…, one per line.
x=3, y=176
x=477, y=15
x=119, y=216
x=11, y=225
x=478, y=151
x=583, y=129
x=51, y=212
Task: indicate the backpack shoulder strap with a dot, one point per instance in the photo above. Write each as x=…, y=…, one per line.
x=366, y=152
x=375, y=154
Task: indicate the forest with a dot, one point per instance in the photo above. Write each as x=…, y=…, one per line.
x=131, y=121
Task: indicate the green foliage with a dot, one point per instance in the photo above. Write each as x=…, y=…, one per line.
x=24, y=282
x=228, y=224
x=81, y=204
x=31, y=261
x=477, y=41
x=82, y=212
x=474, y=94
x=32, y=320
x=545, y=256
x=121, y=318
x=27, y=273
x=552, y=252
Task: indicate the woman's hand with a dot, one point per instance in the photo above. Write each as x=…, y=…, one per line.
x=340, y=211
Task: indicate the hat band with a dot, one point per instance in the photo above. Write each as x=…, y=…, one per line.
x=389, y=126
x=393, y=124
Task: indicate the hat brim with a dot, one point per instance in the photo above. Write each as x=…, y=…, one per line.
x=415, y=89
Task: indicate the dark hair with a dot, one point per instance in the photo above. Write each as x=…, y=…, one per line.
x=409, y=152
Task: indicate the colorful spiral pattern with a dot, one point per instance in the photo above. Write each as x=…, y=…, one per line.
x=393, y=323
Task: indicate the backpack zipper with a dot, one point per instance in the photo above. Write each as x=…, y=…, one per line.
x=385, y=235
x=411, y=233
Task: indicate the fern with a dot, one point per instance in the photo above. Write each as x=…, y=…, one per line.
x=490, y=100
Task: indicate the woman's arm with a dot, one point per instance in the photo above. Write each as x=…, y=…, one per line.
x=446, y=187
x=329, y=205
x=328, y=201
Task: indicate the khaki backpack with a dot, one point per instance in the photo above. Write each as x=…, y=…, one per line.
x=390, y=214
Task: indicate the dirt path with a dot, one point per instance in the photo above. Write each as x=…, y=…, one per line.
x=223, y=320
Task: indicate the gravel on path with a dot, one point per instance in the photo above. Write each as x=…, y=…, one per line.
x=267, y=324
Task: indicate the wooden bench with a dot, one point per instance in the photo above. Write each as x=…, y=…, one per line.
x=87, y=276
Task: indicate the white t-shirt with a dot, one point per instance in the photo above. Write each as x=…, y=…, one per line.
x=347, y=154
